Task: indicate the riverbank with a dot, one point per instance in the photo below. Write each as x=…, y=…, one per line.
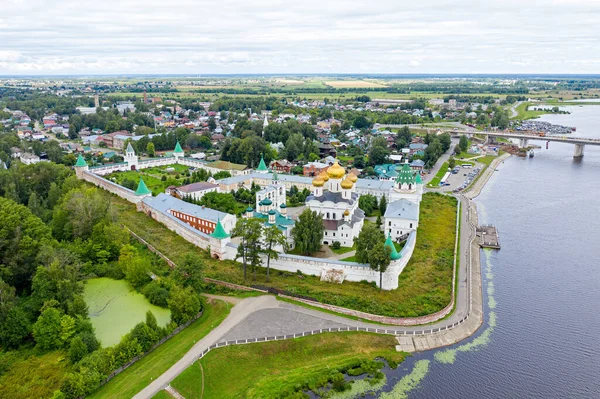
x=470, y=259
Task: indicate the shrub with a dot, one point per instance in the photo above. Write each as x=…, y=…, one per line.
x=336, y=245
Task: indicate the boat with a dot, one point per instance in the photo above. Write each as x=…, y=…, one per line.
x=531, y=154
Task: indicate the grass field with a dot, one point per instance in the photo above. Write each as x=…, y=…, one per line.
x=162, y=395
x=339, y=84
x=136, y=377
x=424, y=285
x=342, y=250
x=28, y=374
x=524, y=113
x=435, y=182
x=273, y=369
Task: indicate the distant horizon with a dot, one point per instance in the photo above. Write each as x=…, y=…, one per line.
x=258, y=74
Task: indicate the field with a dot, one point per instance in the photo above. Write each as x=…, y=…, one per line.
x=115, y=308
x=425, y=285
x=267, y=370
x=340, y=84
x=136, y=377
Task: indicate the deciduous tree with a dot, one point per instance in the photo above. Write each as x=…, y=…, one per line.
x=308, y=232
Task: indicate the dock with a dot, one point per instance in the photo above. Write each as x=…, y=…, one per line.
x=488, y=237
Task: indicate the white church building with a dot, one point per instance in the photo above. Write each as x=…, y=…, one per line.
x=335, y=198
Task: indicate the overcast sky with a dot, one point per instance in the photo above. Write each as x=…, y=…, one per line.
x=308, y=36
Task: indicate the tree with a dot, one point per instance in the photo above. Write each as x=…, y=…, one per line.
x=360, y=122
x=272, y=237
x=212, y=125
x=135, y=266
x=184, y=304
x=190, y=272
x=308, y=232
x=46, y=329
x=359, y=161
x=404, y=137
x=445, y=141
x=378, y=153
x=368, y=203
x=67, y=329
x=379, y=259
x=382, y=205
x=150, y=149
x=463, y=142
x=451, y=163
x=14, y=327
x=250, y=231
x=23, y=234
x=367, y=240
x=77, y=350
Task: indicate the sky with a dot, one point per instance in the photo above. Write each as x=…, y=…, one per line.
x=271, y=36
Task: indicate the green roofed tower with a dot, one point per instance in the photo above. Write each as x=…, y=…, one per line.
x=219, y=233
x=262, y=167
x=81, y=161
x=394, y=255
x=178, y=149
x=142, y=189
x=406, y=175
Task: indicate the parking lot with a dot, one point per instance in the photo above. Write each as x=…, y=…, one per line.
x=462, y=178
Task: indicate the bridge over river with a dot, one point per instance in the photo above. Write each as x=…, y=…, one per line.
x=524, y=137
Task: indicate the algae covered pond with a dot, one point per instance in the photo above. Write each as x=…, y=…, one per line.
x=115, y=308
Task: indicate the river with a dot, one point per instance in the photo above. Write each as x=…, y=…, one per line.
x=541, y=335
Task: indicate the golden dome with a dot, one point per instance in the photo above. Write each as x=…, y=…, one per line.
x=346, y=212
x=347, y=184
x=318, y=182
x=323, y=175
x=335, y=171
x=352, y=177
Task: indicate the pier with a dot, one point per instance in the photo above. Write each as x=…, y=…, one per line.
x=488, y=237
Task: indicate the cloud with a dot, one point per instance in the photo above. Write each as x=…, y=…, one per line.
x=260, y=36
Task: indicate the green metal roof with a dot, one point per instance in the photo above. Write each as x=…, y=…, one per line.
x=283, y=205
x=249, y=209
x=142, y=189
x=266, y=201
x=261, y=166
x=81, y=161
x=129, y=148
x=178, y=149
x=394, y=255
x=219, y=233
x=406, y=175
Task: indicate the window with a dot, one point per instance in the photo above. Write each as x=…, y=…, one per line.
x=390, y=223
x=411, y=225
x=327, y=215
x=334, y=215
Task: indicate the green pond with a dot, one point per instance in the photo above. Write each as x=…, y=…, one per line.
x=115, y=308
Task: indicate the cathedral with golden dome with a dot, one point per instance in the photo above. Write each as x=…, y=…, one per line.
x=334, y=197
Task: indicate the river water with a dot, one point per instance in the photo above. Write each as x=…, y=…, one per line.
x=541, y=335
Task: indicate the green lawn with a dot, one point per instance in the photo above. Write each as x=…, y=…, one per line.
x=524, y=113
x=162, y=395
x=136, y=377
x=424, y=285
x=342, y=250
x=156, y=185
x=435, y=182
x=279, y=368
